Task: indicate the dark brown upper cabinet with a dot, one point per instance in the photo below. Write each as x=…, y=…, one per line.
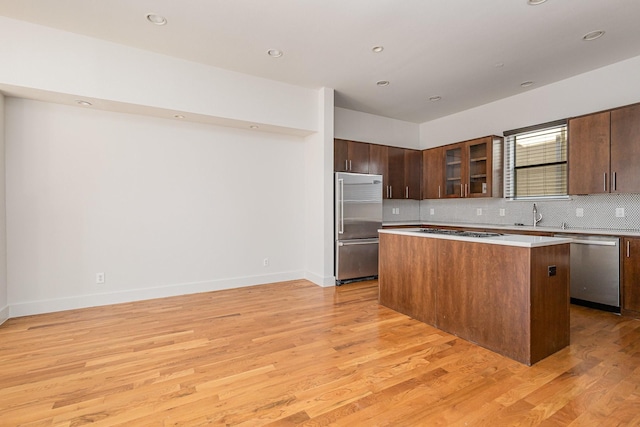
x=350, y=156
x=604, y=151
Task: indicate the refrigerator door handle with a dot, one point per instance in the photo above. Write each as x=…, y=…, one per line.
x=363, y=242
x=341, y=184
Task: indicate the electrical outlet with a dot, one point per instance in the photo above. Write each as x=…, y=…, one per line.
x=579, y=212
x=100, y=278
x=265, y=262
x=478, y=211
x=502, y=212
x=432, y=211
x=395, y=211
x=619, y=212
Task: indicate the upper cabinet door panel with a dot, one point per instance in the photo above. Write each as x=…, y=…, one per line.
x=432, y=173
x=396, y=172
x=479, y=174
x=350, y=156
x=412, y=174
x=378, y=165
x=340, y=155
x=589, y=146
x=358, y=157
x=454, y=161
x=625, y=149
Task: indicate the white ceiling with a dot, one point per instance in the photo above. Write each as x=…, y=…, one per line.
x=447, y=48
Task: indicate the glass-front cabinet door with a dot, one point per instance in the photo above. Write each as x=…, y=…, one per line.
x=468, y=170
x=479, y=168
x=453, y=162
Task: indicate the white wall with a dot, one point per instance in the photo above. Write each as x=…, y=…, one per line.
x=357, y=126
x=319, y=195
x=601, y=89
x=4, y=308
x=162, y=207
x=41, y=58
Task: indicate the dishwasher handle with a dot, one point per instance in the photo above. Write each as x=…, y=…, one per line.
x=595, y=242
x=580, y=240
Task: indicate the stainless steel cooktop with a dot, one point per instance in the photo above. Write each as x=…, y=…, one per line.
x=459, y=232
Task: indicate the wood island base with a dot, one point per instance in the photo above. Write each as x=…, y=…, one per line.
x=513, y=300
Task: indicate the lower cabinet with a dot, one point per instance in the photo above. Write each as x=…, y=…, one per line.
x=631, y=276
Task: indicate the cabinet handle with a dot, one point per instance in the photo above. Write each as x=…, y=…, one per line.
x=406, y=192
x=605, y=181
x=388, y=197
x=390, y=192
x=346, y=165
x=466, y=190
x=628, y=248
x=461, y=190
x=615, y=184
x=439, y=192
x=350, y=168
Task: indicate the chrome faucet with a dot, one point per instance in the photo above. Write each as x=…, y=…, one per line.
x=536, y=218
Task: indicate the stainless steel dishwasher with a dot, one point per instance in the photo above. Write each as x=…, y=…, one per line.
x=595, y=271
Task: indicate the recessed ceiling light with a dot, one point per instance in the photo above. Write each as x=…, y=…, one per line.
x=275, y=53
x=498, y=64
x=535, y=2
x=377, y=49
x=382, y=82
x=526, y=84
x=84, y=103
x=254, y=127
x=593, y=35
x=435, y=98
x=178, y=116
x=156, y=19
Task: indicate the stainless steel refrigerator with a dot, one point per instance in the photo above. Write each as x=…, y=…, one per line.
x=357, y=219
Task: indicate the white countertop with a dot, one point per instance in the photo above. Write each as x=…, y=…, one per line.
x=514, y=228
x=505, y=239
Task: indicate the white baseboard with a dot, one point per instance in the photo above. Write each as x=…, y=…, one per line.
x=325, y=282
x=83, y=301
x=4, y=314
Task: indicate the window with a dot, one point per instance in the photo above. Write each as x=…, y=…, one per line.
x=536, y=161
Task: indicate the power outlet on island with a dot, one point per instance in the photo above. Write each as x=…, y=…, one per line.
x=619, y=212
x=579, y=212
x=479, y=211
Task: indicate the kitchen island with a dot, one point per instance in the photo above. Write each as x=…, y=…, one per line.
x=507, y=293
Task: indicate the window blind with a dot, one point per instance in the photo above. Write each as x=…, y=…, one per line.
x=536, y=161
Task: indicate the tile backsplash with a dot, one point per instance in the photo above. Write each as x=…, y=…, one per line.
x=606, y=211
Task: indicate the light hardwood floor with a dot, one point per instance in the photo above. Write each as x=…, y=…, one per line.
x=293, y=353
